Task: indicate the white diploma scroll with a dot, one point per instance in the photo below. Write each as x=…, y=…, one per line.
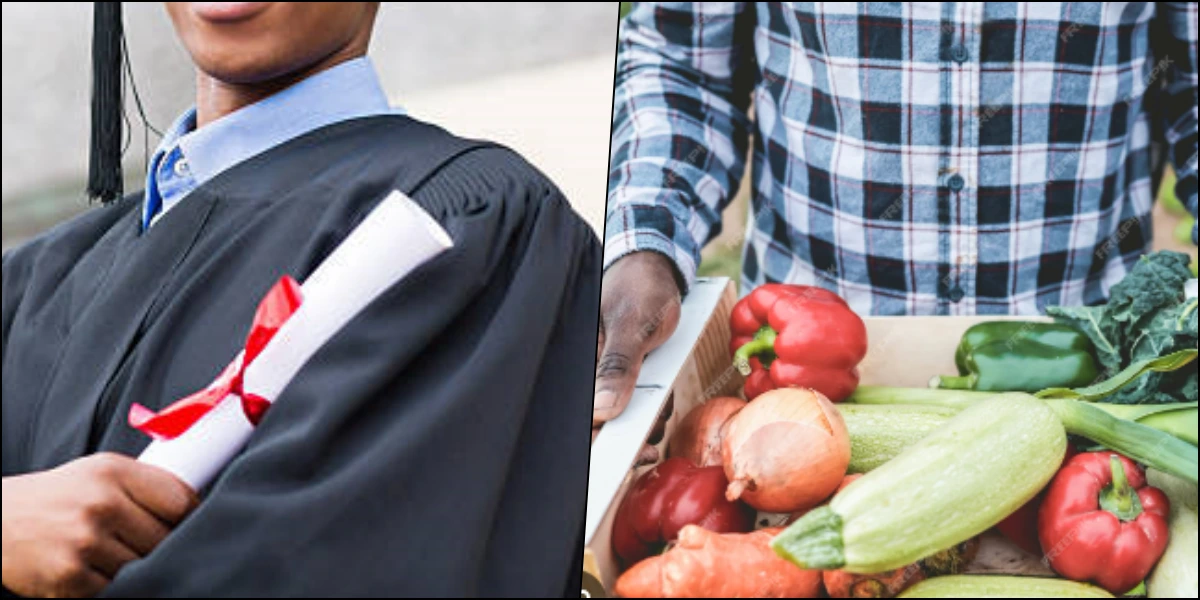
x=396, y=237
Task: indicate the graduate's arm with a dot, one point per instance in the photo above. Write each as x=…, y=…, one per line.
x=680, y=139
x=436, y=445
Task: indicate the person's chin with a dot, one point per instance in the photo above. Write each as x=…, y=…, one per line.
x=237, y=69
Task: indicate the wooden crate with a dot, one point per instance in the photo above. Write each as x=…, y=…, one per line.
x=695, y=365
x=690, y=367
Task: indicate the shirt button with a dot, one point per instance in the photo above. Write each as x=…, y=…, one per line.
x=956, y=294
x=182, y=168
x=955, y=182
x=958, y=53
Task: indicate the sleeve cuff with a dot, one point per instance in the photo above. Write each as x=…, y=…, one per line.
x=618, y=244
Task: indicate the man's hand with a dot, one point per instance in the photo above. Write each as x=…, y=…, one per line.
x=69, y=530
x=639, y=310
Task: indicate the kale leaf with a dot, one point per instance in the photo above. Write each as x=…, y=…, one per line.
x=1147, y=316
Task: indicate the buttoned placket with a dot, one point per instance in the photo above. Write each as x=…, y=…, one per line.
x=173, y=173
x=962, y=177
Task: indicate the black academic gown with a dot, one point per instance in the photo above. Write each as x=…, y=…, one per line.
x=438, y=445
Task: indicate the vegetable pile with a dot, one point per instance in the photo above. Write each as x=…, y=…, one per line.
x=999, y=454
x=1083, y=456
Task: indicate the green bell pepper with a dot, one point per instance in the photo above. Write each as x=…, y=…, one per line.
x=1024, y=356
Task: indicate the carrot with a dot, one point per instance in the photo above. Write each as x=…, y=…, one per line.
x=719, y=565
x=952, y=561
x=841, y=584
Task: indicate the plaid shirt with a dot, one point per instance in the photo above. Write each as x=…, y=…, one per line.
x=916, y=158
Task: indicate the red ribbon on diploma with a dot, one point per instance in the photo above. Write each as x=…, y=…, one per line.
x=273, y=311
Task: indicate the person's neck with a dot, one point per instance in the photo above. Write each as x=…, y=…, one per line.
x=216, y=98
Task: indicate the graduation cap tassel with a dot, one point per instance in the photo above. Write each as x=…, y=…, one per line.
x=105, y=180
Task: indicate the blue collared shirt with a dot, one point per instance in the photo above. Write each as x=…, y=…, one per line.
x=188, y=157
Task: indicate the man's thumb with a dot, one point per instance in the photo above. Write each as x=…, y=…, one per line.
x=616, y=375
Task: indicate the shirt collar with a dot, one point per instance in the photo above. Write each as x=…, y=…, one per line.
x=345, y=91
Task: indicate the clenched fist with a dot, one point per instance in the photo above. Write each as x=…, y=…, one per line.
x=67, y=531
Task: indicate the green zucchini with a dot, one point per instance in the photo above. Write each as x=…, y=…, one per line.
x=960, y=480
x=1159, y=437
x=1002, y=586
x=879, y=433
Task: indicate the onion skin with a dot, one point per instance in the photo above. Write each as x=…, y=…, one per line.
x=786, y=451
x=698, y=437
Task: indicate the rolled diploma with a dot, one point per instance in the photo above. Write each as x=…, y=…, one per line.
x=396, y=238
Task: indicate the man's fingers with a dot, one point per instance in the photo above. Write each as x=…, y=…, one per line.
x=138, y=528
x=159, y=492
x=108, y=555
x=87, y=584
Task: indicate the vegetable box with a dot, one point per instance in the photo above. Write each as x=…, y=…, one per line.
x=695, y=365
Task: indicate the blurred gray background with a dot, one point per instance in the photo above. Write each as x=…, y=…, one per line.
x=536, y=76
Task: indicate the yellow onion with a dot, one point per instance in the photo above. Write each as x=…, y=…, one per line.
x=787, y=450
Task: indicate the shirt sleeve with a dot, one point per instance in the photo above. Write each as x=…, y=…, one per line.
x=680, y=127
x=1177, y=52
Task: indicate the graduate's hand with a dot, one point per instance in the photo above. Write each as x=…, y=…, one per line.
x=67, y=531
x=639, y=310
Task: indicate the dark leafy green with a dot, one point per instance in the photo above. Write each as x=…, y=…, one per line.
x=1147, y=316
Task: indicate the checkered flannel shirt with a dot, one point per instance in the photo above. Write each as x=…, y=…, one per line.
x=916, y=158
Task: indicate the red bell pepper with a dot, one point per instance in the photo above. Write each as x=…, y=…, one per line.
x=1101, y=523
x=797, y=336
x=665, y=499
x=1021, y=527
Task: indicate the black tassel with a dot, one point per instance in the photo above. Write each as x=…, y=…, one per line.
x=105, y=180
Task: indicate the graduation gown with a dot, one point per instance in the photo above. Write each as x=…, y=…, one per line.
x=437, y=445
